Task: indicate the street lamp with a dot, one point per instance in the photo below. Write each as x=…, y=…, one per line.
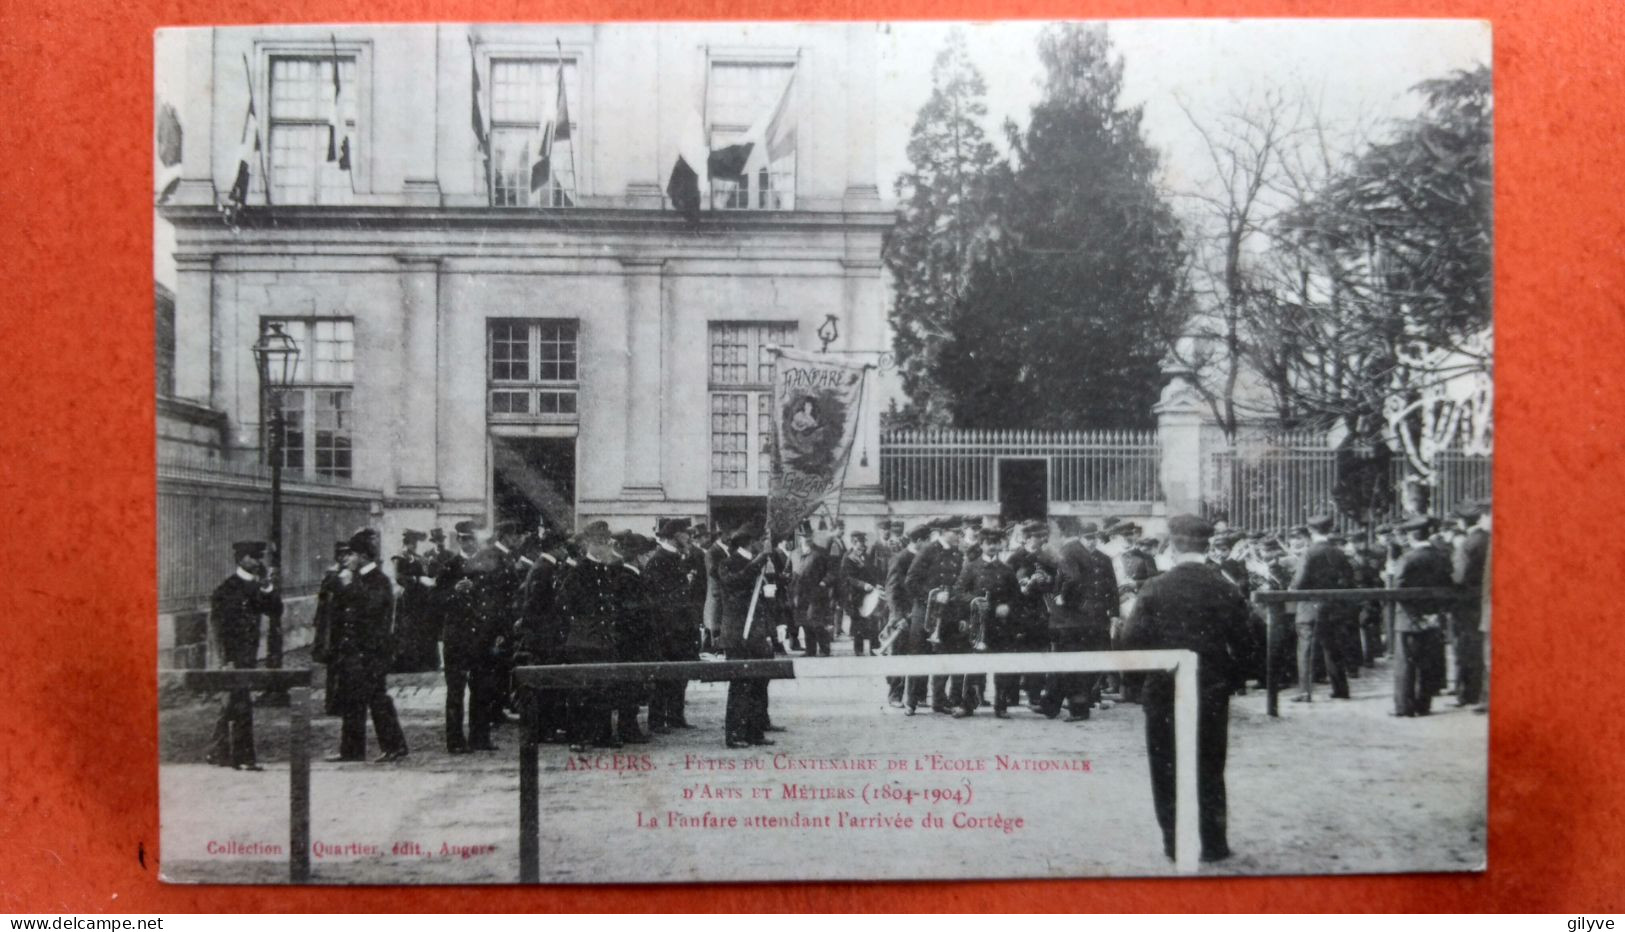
x=276, y=356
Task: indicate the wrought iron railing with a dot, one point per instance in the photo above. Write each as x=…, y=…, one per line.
x=962, y=465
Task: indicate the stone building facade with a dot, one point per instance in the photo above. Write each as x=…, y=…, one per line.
x=474, y=349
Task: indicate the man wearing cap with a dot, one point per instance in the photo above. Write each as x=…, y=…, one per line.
x=234, y=612
x=540, y=635
x=363, y=647
x=460, y=643
x=813, y=591
x=589, y=604
x=1035, y=575
x=1080, y=618
x=637, y=639
x=1418, y=623
x=695, y=574
x=1190, y=607
x=748, y=578
x=1321, y=624
x=414, y=619
x=976, y=602
x=335, y=578
x=862, y=574
x=666, y=584
x=930, y=583
x=901, y=605
x=1467, y=616
x=715, y=555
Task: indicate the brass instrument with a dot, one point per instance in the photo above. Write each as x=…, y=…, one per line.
x=935, y=613
x=982, y=605
x=888, y=635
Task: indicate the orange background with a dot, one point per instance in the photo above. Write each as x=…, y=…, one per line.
x=78, y=792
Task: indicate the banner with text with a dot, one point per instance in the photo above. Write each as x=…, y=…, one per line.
x=815, y=417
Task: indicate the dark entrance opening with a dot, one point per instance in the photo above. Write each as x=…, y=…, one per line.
x=533, y=481
x=1023, y=489
x=728, y=514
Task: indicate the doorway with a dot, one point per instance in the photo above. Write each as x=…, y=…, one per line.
x=1023, y=489
x=533, y=481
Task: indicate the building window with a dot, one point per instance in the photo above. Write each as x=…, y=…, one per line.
x=523, y=93
x=317, y=415
x=739, y=94
x=301, y=103
x=533, y=373
x=741, y=404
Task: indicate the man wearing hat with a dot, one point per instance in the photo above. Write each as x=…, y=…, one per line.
x=976, y=603
x=699, y=583
x=540, y=635
x=862, y=573
x=636, y=638
x=414, y=618
x=362, y=648
x=234, y=612
x=334, y=578
x=1469, y=566
x=1190, y=607
x=1321, y=625
x=901, y=605
x=1035, y=575
x=1419, y=623
x=666, y=582
x=749, y=579
x=1080, y=618
x=589, y=605
x=460, y=633
x=715, y=555
x=813, y=591
x=930, y=583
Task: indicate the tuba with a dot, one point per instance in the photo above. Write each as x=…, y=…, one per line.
x=982, y=605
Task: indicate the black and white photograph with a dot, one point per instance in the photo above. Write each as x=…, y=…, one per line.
x=730, y=452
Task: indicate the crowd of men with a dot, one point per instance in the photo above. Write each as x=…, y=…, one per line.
x=954, y=585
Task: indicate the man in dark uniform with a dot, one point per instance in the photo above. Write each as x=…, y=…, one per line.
x=974, y=607
x=1190, y=607
x=901, y=605
x=363, y=647
x=540, y=635
x=1418, y=623
x=695, y=571
x=1080, y=618
x=637, y=639
x=234, y=611
x=862, y=573
x=589, y=607
x=334, y=579
x=496, y=576
x=1321, y=624
x=1035, y=574
x=416, y=636
x=1466, y=616
x=813, y=592
x=459, y=639
x=997, y=608
x=666, y=582
x=930, y=583
x=748, y=579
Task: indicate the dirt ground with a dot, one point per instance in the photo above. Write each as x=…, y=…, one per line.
x=1330, y=787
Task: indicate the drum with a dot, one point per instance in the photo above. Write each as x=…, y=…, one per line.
x=871, y=603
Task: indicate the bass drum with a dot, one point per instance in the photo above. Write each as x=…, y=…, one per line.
x=871, y=603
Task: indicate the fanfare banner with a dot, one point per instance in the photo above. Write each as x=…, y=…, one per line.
x=815, y=417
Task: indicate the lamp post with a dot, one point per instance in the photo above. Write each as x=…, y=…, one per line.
x=276, y=356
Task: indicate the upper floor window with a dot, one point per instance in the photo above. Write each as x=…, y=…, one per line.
x=524, y=97
x=317, y=412
x=301, y=114
x=534, y=370
x=740, y=94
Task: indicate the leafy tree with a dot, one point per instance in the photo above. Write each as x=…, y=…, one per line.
x=946, y=226
x=1068, y=329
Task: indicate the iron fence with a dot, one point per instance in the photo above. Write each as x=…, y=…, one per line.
x=962, y=465
x=204, y=505
x=1281, y=483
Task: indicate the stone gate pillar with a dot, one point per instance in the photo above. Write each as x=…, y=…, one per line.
x=1180, y=416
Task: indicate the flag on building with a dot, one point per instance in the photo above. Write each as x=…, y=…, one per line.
x=817, y=399
x=249, y=154
x=689, y=185
x=167, y=146
x=338, y=136
x=774, y=135
x=482, y=136
x=553, y=129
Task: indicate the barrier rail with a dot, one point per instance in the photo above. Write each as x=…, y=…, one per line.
x=1181, y=663
x=1274, y=599
x=297, y=685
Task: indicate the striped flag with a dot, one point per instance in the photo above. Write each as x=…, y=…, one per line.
x=249, y=152
x=482, y=137
x=553, y=129
x=338, y=140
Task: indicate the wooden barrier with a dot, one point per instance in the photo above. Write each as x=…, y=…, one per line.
x=297, y=685
x=1181, y=663
x=1274, y=601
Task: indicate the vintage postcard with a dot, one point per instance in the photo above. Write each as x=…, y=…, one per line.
x=732, y=452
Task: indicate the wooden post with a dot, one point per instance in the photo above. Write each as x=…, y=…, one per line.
x=530, y=824
x=299, y=784
x=1273, y=636
x=1187, y=817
